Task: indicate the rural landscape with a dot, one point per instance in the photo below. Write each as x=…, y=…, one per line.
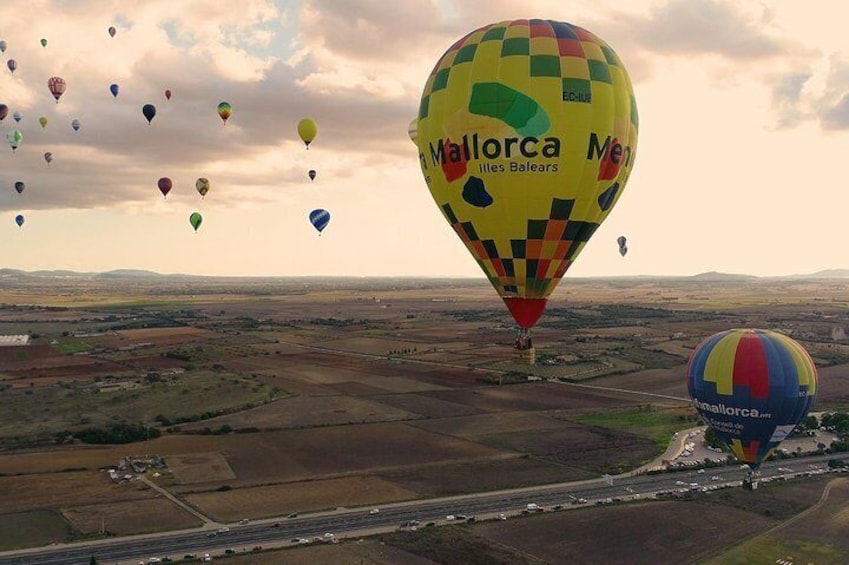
x=144, y=403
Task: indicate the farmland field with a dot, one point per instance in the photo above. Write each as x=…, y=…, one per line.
x=274, y=395
x=27, y=529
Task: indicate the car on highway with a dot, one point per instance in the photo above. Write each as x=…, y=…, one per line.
x=292, y=515
x=374, y=511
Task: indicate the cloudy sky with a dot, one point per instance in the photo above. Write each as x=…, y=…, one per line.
x=744, y=111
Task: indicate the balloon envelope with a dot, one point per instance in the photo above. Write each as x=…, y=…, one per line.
x=19, y=219
x=14, y=138
x=319, y=219
x=202, y=186
x=20, y=186
x=4, y=111
x=168, y=95
x=43, y=121
x=18, y=116
x=43, y=42
x=312, y=174
x=113, y=88
x=112, y=31
x=752, y=387
x=413, y=130
x=164, y=185
x=149, y=111
x=75, y=123
x=307, y=130
x=56, y=85
x=224, y=111
x=12, y=64
x=526, y=133
x=48, y=156
x=195, y=220
x=2, y=46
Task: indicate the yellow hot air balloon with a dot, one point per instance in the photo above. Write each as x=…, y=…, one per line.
x=43, y=121
x=307, y=129
x=527, y=133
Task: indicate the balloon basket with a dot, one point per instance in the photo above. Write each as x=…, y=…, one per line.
x=750, y=481
x=525, y=356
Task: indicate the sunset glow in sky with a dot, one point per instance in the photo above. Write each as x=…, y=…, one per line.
x=744, y=112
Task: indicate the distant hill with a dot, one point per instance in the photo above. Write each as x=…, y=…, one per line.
x=129, y=274
x=829, y=274
x=721, y=277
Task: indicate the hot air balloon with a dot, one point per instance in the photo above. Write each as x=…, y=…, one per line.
x=20, y=186
x=149, y=111
x=164, y=185
x=43, y=121
x=195, y=219
x=167, y=95
x=48, y=156
x=4, y=111
x=526, y=132
x=18, y=116
x=75, y=123
x=113, y=88
x=19, y=219
x=623, y=245
x=307, y=129
x=14, y=138
x=43, y=42
x=319, y=219
x=752, y=387
x=224, y=111
x=202, y=186
x=312, y=174
x=112, y=31
x=56, y=85
x=12, y=64
x=2, y=46
x=413, y=130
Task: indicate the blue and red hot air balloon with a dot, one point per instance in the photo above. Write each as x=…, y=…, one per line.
x=752, y=387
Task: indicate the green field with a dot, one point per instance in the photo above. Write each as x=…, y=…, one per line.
x=30, y=529
x=71, y=345
x=658, y=425
x=72, y=405
x=770, y=549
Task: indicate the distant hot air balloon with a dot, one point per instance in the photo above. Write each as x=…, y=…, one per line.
x=18, y=116
x=20, y=186
x=75, y=123
x=149, y=111
x=202, y=186
x=19, y=219
x=112, y=31
x=752, y=387
x=167, y=95
x=623, y=245
x=4, y=111
x=307, y=129
x=14, y=138
x=319, y=219
x=12, y=64
x=195, y=220
x=312, y=174
x=43, y=42
x=526, y=132
x=43, y=121
x=113, y=88
x=2, y=46
x=56, y=85
x=224, y=111
x=164, y=185
x=48, y=156
x=413, y=130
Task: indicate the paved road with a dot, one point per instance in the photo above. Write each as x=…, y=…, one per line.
x=346, y=522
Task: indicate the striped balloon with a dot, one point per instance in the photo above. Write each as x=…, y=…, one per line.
x=752, y=387
x=319, y=219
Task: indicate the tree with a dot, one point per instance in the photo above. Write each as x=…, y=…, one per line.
x=93, y=560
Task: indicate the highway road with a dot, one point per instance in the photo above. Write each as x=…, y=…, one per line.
x=347, y=522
